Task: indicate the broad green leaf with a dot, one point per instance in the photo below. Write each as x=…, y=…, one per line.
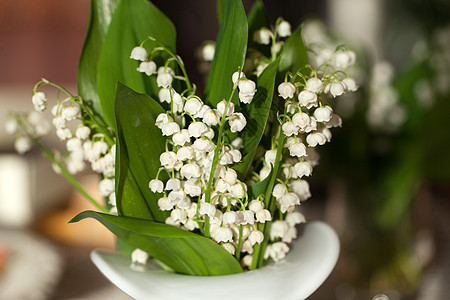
x=220, y=9
x=100, y=16
x=293, y=55
x=139, y=146
x=231, y=47
x=257, y=113
x=259, y=188
x=257, y=19
x=183, y=251
x=133, y=22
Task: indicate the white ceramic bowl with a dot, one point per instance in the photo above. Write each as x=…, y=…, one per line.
x=308, y=264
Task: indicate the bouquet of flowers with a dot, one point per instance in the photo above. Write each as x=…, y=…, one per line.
x=206, y=183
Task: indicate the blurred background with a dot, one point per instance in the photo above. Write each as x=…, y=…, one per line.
x=383, y=182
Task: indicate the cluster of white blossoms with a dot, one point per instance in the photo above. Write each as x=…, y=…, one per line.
x=194, y=151
x=84, y=142
x=305, y=124
x=196, y=198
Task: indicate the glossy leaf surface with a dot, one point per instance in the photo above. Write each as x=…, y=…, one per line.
x=185, y=252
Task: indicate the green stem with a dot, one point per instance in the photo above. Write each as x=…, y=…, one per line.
x=259, y=249
x=216, y=158
x=177, y=59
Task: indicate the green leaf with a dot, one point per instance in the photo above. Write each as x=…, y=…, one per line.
x=259, y=188
x=133, y=22
x=185, y=252
x=231, y=47
x=293, y=55
x=257, y=19
x=220, y=7
x=140, y=144
x=257, y=113
x=101, y=13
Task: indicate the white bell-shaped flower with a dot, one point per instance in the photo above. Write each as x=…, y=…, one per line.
x=247, y=247
x=255, y=206
x=307, y=99
x=289, y=128
x=229, y=217
x=294, y=218
x=162, y=119
x=278, y=229
x=323, y=114
x=173, y=184
x=337, y=89
x=177, y=103
x=236, y=76
x=210, y=117
x=22, y=144
x=164, y=79
x=139, y=256
x=185, y=153
x=165, y=204
x=302, y=169
x=192, y=106
x=263, y=215
x=350, y=84
x=316, y=138
x=335, y=121
x=83, y=132
x=71, y=113
x=139, y=53
x=256, y=237
x=262, y=36
x=297, y=149
x=106, y=187
x=63, y=133
x=302, y=120
x=314, y=85
x=168, y=159
x=203, y=145
x=74, y=144
x=327, y=133
x=284, y=29
x=190, y=171
x=192, y=187
x=230, y=176
x=286, y=90
x=147, y=67
x=222, y=234
x=196, y=129
x=229, y=247
x=237, y=122
x=301, y=188
x=208, y=51
x=156, y=185
x=279, y=190
x=39, y=100
x=236, y=155
x=170, y=128
x=207, y=209
x=276, y=251
x=222, y=105
x=180, y=138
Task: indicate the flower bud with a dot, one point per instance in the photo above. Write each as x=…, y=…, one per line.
x=284, y=29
